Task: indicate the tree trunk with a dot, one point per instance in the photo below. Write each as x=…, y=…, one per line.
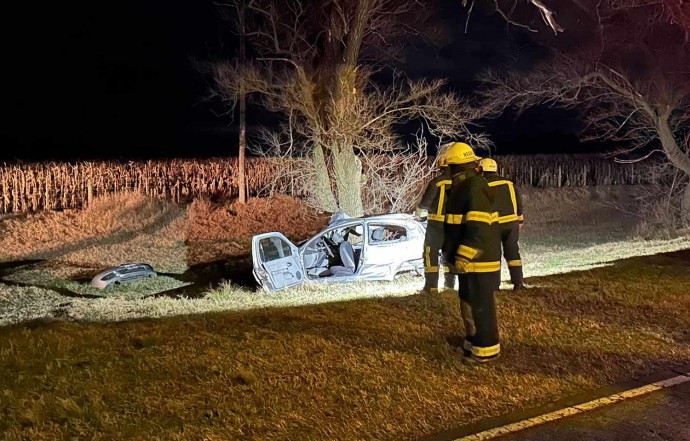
x=348, y=177
x=322, y=193
x=243, y=148
x=356, y=34
x=243, y=118
x=339, y=81
x=677, y=157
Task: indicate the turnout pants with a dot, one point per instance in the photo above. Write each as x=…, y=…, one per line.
x=433, y=242
x=478, y=308
x=510, y=235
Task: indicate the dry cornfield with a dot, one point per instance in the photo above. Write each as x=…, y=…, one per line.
x=27, y=187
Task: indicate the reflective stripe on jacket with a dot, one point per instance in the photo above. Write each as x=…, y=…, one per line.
x=507, y=198
x=435, y=196
x=471, y=224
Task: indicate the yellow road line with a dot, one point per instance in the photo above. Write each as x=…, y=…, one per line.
x=574, y=410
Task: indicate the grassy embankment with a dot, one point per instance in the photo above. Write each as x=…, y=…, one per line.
x=366, y=369
x=195, y=248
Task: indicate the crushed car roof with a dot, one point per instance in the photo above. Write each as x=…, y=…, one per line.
x=342, y=218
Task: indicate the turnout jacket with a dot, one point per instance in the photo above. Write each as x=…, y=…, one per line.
x=508, y=200
x=435, y=197
x=471, y=231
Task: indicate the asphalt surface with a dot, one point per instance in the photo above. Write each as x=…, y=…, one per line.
x=652, y=407
x=661, y=415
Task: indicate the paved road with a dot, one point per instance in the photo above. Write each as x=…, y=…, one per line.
x=662, y=415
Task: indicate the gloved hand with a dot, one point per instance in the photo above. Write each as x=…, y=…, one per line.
x=462, y=266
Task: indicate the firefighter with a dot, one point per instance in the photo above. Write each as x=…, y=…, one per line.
x=508, y=203
x=473, y=244
x=433, y=204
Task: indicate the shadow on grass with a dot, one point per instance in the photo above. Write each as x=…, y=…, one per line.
x=209, y=275
x=58, y=289
x=202, y=277
x=6, y=267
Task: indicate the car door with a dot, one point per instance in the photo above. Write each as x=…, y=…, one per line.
x=384, y=252
x=277, y=263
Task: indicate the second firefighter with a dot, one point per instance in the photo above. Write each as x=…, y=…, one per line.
x=508, y=203
x=433, y=202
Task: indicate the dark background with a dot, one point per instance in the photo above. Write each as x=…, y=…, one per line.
x=116, y=79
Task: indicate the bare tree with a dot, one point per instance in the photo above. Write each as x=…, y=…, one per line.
x=228, y=86
x=627, y=70
x=315, y=66
x=366, y=148
x=242, y=97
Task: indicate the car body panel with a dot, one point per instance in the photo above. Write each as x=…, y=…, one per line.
x=123, y=274
x=379, y=255
x=277, y=263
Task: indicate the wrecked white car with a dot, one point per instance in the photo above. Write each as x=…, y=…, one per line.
x=349, y=249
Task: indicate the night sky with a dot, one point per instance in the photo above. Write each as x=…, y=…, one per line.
x=115, y=79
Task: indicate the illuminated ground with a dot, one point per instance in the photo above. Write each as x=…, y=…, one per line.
x=376, y=369
x=68, y=248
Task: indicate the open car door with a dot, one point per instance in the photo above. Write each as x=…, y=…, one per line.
x=277, y=263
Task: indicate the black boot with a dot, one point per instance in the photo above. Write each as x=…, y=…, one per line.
x=516, y=277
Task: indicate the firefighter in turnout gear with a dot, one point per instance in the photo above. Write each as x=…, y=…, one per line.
x=433, y=203
x=508, y=203
x=473, y=243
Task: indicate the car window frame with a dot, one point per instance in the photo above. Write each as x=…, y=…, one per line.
x=375, y=243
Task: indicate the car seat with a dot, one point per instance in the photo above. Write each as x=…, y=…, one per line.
x=347, y=255
x=378, y=235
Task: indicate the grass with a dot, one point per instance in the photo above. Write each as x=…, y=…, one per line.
x=365, y=369
x=350, y=361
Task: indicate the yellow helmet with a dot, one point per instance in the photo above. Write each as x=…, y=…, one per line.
x=488, y=165
x=460, y=153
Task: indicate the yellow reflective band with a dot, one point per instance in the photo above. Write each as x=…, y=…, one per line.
x=427, y=258
x=436, y=217
x=445, y=268
x=430, y=269
x=454, y=219
x=515, y=263
x=444, y=182
x=467, y=252
x=486, y=352
x=483, y=267
x=480, y=216
x=440, y=209
x=521, y=218
x=511, y=189
x=508, y=218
